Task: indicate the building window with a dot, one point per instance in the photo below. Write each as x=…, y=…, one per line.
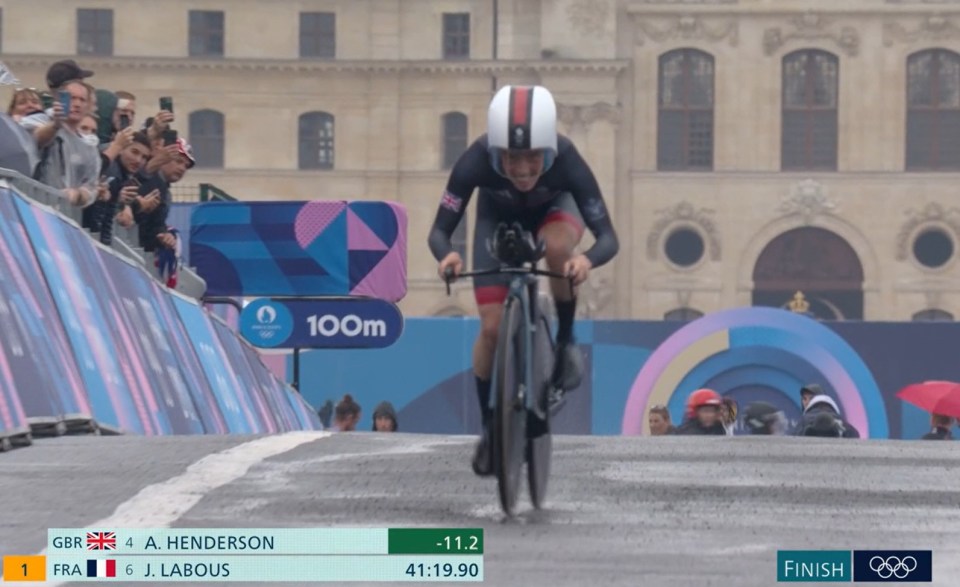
x=206, y=33
x=685, y=119
x=683, y=314
x=933, y=111
x=94, y=31
x=318, y=35
x=207, y=138
x=456, y=35
x=316, y=140
x=809, y=126
x=454, y=137
x=933, y=315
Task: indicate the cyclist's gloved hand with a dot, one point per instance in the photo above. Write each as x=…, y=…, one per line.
x=453, y=261
x=578, y=268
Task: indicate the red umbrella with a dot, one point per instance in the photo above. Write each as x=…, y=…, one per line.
x=936, y=397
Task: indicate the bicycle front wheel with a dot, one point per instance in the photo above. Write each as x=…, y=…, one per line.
x=510, y=417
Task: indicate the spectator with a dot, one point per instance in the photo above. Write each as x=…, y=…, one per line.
x=106, y=108
x=25, y=101
x=808, y=392
x=822, y=418
x=764, y=418
x=126, y=106
x=941, y=428
x=346, y=415
x=703, y=415
x=151, y=214
x=384, y=418
x=325, y=413
x=123, y=187
x=659, y=421
x=67, y=162
x=728, y=414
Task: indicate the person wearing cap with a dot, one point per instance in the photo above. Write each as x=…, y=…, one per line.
x=384, y=418
x=703, y=415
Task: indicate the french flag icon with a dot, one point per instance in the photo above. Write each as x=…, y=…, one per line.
x=102, y=567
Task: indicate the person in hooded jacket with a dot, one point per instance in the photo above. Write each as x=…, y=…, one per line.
x=822, y=418
x=702, y=415
x=384, y=418
x=808, y=392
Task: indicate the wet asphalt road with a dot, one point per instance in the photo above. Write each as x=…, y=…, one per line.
x=677, y=511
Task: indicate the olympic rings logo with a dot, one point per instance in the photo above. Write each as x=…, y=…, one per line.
x=893, y=566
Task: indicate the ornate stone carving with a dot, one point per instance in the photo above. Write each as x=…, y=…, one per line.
x=933, y=29
x=588, y=17
x=684, y=212
x=808, y=199
x=686, y=28
x=931, y=213
x=579, y=116
x=812, y=26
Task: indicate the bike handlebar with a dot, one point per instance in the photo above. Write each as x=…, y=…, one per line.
x=449, y=276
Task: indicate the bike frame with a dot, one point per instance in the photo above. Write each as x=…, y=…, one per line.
x=524, y=287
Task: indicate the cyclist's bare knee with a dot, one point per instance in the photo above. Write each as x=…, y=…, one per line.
x=561, y=239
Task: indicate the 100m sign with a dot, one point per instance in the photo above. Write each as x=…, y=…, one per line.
x=350, y=325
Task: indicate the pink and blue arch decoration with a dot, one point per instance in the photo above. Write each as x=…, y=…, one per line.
x=751, y=354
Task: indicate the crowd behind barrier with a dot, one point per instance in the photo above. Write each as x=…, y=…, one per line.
x=93, y=342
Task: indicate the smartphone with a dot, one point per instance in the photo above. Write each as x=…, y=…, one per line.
x=166, y=103
x=124, y=121
x=169, y=137
x=47, y=100
x=133, y=181
x=64, y=97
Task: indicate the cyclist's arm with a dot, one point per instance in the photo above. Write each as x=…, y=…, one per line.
x=586, y=193
x=464, y=178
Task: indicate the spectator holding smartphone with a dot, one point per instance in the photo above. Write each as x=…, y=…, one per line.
x=151, y=214
x=123, y=187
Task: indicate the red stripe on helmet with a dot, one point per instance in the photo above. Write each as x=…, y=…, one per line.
x=520, y=107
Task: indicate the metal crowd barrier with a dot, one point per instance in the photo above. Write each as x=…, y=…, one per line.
x=125, y=240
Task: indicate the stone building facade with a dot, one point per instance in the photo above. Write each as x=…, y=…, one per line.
x=748, y=149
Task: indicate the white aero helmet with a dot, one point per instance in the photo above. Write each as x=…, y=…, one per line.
x=522, y=118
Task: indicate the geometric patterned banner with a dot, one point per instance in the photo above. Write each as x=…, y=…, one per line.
x=328, y=248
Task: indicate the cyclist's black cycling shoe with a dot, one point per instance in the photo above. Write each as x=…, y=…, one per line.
x=569, y=367
x=482, y=457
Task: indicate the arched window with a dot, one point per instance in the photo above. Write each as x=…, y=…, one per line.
x=207, y=137
x=683, y=314
x=685, y=118
x=809, y=127
x=933, y=315
x=454, y=137
x=933, y=110
x=316, y=140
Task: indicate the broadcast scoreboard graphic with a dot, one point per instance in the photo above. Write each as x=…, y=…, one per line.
x=253, y=555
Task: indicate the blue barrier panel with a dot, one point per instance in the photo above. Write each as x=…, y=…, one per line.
x=149, y=348
x=249, y=390
x=89, y=327
x=282, y=410
x=37, y=358
x=218, y=368
x=198, y=385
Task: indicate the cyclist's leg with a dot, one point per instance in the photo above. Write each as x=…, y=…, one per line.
x=490, y=291
x=561, y=229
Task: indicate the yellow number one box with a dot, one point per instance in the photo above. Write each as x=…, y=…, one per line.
x=24, y=568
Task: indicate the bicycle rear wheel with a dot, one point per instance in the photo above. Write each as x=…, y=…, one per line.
x=540, y=441
x=510, y=417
